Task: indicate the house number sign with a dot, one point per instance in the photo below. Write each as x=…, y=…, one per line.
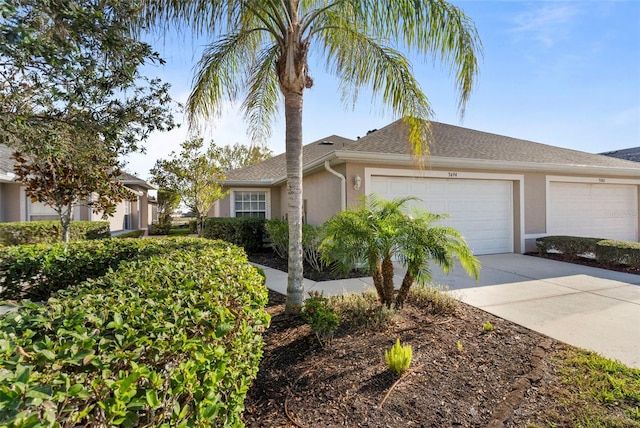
x=453, y=174
x=601, y=180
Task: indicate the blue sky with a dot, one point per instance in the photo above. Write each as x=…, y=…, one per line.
x=565, y=73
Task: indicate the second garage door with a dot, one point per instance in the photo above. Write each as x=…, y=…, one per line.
x=593, y=209
x=482, y=210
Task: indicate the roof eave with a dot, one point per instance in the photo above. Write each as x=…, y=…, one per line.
x=442, y=162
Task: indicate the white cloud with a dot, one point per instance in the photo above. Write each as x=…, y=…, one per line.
x=545, y=24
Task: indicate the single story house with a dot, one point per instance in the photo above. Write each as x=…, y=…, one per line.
x=16, y=206
x=501, y=193
x=632, y=154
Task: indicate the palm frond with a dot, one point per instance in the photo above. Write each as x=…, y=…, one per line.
x=263, y=94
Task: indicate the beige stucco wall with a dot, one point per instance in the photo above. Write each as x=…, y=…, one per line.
x=322, y=193
x=12, y=202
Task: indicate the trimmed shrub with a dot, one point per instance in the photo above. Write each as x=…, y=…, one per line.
x=569, y=246
x=35, y=271
x=613, y=252
x=193, y=226
x=43, y=232
x=159, y=229
x=170, y=340
x=246, y=232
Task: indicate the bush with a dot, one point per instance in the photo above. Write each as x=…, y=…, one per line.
x=433, y=298
x=606, y=251
x=35, y=271
x=246, y=232
x=170, y=340
x=363, y=310
x=159, y=229
x=570, y=246
x=322, y=318
x=43, y=232
x=193, y=226
x=278, y=236
x=613, y=252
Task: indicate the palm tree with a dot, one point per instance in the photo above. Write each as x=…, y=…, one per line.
x=420, y=240
x=260, y=49
x=379, y=231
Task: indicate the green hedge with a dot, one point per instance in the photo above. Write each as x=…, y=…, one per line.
x=612, y=252
x=569, y=246
x=245, y=232
x=606, y=251
x=35, y=271
x=171, y=340
x=42, y=232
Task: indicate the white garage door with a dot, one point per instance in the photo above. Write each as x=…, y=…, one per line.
x=482, y=210
x=595, y=210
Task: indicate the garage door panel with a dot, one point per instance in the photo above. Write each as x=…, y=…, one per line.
x=481, y=210
x=593, y=210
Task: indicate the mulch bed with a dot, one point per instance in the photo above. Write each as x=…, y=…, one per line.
x=494, y=380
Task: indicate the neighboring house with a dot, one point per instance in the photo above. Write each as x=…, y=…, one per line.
x=502, y=193
x=632, y=154
x=16, y=206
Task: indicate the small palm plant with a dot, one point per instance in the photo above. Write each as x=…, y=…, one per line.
x=379, y=231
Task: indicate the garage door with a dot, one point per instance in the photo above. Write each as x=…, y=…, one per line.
x=595, y=210
x=482, y=210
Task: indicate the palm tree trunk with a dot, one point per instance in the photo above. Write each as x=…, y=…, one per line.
x=378, y=282
x=293, y=119
x=407, y=282
x=387, y=275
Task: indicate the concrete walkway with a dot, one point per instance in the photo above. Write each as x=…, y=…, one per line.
x=587, y=307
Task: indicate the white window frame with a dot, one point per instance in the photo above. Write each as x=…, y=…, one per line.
x=267, y=193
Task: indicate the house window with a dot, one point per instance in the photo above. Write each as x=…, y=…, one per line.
x=250, y=204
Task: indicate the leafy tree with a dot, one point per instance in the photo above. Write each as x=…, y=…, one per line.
x=193, y=174
x=63, y=183
x=260, y=49
x=72, y=98
x=168, y=201
x=241, y=155
x=379, y=231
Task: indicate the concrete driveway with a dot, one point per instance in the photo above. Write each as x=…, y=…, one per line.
x=587, y=307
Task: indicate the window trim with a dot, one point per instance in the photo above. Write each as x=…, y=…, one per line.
x=267, y=193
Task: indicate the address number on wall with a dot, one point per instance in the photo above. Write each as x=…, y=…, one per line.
x=453, y=174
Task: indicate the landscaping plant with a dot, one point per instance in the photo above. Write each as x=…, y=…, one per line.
x=379, y=231
x=398, y=358
x=322, y=318
x=172, y=339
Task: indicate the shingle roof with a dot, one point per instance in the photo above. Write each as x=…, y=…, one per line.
x=275, y=168
x=632, y=154
x=6, y=163
x=449, y=141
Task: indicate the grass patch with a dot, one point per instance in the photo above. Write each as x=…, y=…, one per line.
x=363, y=310
x=434, y=298
x=179, y=231
x=596, y=392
